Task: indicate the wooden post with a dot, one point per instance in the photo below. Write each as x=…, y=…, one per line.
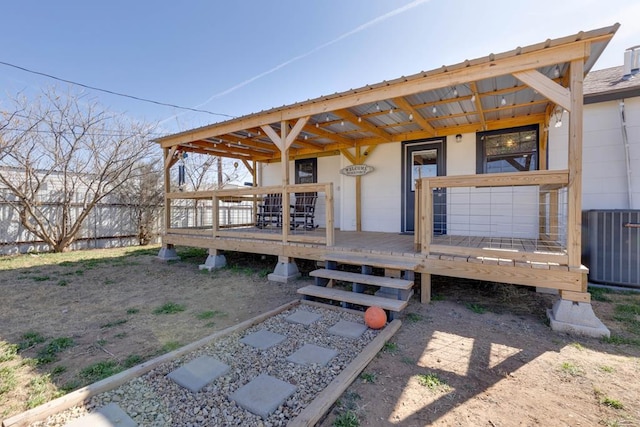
x=215, y=210
x=284, y=156
x=358, y=193
x=574, y=190
x=426, y=217
x=425, y=288
x=416, y=216
x=329, y=214
x=167, y=189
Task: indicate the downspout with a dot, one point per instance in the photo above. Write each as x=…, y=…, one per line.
x=625, y=142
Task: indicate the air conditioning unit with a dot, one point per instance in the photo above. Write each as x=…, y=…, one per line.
x=611, y=246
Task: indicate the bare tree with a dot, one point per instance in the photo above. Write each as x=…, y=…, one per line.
x=60, y=155
x=144, y=198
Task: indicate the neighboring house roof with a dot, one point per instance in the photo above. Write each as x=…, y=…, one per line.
x=610, y=84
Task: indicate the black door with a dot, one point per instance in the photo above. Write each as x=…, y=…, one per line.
x=423, y=159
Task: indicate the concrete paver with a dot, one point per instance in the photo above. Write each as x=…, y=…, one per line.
x=263, y=339
x=110, y=415
x=348, y=329
x=198, y=373
x=304, y=317
x=263, y=395
x=309, y=354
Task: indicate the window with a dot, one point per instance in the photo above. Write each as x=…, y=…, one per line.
x=508, y=150
x=306, y=171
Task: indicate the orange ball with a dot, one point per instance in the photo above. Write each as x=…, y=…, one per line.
x=375, y=317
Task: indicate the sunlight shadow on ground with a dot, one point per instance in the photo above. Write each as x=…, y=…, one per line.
x=469, y=366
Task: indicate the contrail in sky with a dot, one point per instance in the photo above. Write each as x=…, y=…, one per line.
x=356, y=30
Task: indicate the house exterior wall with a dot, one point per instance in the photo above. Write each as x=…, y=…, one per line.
x=328, y=171
x=604, y=168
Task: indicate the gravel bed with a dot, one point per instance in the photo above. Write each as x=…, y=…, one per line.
x=154, y=400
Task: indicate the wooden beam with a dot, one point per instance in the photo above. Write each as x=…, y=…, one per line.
x=273, y=136
x=574, y=202
x=402, y=103
x=547, y=87
x=348, y=156
x=364, y=124
x=251, y=170
x=478, y=103
x=331, y=135
x=295, y=131
x=168, y=158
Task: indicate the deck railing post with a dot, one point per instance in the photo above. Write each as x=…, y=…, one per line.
x=426, y=217
x=330, y=232
x=214, y=214
x=416, y=215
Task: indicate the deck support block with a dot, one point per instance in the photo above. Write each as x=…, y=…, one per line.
x=214, y=261
x=285, y=270
x=576, y=318
x=168, y=253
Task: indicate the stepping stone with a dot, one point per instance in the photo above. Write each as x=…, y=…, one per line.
x=304, y=317
x=309, y=354
x=263, y=339
x=198, y=373
x=348, y=329
x=110, y=415
x=262, y=395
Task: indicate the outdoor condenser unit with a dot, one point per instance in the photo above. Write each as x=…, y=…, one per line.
x=611, y=246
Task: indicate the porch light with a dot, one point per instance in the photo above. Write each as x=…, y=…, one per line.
x=473, y=98
x=455, y=92
x=391, y=111
x=317, y=124
x=558, y=113
x=341, y=122
x=410, y=117
x=359, y=119
x=459, y=138
x=434, y=110
x=503, y=101
x=556, y=71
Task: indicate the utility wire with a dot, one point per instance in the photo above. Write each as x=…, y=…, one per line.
x=124, y=95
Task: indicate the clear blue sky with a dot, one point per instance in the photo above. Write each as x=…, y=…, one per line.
x=242, y=56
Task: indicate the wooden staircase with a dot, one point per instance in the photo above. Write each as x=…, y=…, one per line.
x=393, y=295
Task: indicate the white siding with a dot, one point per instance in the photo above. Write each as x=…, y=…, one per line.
x=604, y=170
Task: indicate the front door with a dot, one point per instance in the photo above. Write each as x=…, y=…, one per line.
x=423, y=159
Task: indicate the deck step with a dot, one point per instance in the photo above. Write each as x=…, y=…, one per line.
x=365, y=279
x=372, y=260
x=353, y=297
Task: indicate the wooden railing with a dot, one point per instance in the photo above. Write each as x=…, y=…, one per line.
x=547, y=215
x=252, y=197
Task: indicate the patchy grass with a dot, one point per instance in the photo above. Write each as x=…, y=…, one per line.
x=31, y=338
x=133, y=310
x=600, y=294
x=368, y=377
x=432, y=382
x=476, y=308
x=608, y=369
x=390, y=347
x=347, y=419
x=612, y=403
x=572, y=369
x=169, y=308
x=99, y=371
x=170, y=346
x=49, y=353
x=577, y=346
x=132, y=360
x=413, y=317
x=8, y=351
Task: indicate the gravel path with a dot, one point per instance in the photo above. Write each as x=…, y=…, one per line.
x=155, y=400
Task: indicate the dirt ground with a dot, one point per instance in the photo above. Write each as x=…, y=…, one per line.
x=479, y=355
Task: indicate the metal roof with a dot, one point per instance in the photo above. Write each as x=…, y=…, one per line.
x=471, y=96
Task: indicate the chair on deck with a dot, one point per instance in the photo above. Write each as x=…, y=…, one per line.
x=270, y=211
x=303, y=212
